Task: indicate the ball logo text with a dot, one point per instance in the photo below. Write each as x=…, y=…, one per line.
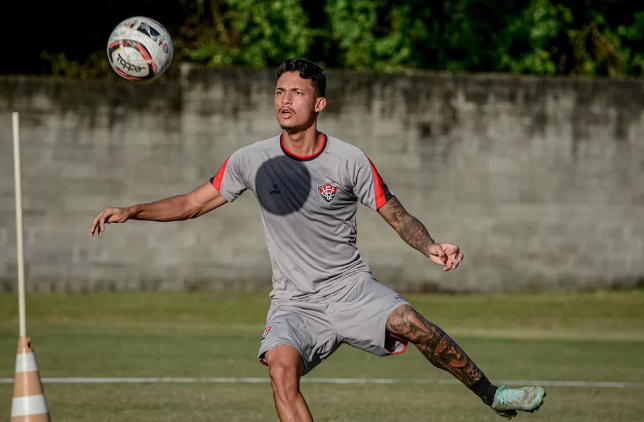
x=127, y=66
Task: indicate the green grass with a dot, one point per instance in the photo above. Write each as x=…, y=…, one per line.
x=555, y=336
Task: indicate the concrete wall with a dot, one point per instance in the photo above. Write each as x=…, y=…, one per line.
x=540, y=181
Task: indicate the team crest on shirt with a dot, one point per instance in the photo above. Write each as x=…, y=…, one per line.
x=267, y=331
x=327, y=191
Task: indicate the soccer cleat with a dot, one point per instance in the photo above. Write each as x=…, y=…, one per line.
x=508, y=400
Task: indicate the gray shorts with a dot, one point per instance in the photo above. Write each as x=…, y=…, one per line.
x=356, y=315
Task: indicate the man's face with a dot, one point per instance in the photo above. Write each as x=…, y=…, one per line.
x=296, y=104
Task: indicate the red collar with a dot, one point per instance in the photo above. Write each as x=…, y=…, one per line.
x=304, y=157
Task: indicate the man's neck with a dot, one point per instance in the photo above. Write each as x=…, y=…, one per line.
x=303, y=143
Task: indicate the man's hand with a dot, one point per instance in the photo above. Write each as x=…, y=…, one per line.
x=415, y=234
x=109, y=216
x=446, y=254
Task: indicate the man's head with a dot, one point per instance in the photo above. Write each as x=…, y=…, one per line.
x=299, y=94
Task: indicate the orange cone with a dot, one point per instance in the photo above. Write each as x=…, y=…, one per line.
x=29, y=404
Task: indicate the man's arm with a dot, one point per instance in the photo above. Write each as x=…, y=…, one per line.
x=407, y=226
x=412, y=231
x=182, y=207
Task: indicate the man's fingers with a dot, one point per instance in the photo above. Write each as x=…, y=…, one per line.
x=438, y=249
x=449, y=261
x=458, y=259
x=102, y=221
x=94, y=223
x=453, y=261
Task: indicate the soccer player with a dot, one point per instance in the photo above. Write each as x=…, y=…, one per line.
x=308, y=185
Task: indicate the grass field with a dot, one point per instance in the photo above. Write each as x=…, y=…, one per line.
x=592, y=337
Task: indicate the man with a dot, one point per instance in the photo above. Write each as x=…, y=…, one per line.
x=308, y=185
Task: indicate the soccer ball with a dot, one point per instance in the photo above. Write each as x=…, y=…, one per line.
x=140, y=49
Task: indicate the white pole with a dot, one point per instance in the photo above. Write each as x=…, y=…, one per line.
x=21, y=258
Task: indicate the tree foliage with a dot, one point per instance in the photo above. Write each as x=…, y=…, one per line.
x=544, y=37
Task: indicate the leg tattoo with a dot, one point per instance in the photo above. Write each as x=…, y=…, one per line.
x=443, y=352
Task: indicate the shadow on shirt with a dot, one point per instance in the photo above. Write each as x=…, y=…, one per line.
x=282, y=185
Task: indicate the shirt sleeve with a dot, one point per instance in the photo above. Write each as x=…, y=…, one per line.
x=368, y=186
x=229, y=180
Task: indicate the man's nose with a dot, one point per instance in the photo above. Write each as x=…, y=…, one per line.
x=287, y=98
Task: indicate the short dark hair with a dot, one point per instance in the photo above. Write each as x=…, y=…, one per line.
x=307, y=70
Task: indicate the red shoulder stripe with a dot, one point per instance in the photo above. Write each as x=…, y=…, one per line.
x=381, y=198
x=216, y=181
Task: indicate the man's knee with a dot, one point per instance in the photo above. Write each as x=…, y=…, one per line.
x=283, y=377
x=406, y=324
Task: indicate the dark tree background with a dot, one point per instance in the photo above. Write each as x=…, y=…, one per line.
x=545, y=37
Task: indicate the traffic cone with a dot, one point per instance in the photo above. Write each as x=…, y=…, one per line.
x=29, y=404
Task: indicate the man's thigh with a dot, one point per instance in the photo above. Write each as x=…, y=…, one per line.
x=303, y=326
x=360, y=317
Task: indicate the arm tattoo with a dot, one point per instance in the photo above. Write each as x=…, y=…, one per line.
x=416, y=235
x=443, y=352
x=408, y=227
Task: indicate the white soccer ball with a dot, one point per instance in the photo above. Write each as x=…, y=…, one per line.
x=140, y=49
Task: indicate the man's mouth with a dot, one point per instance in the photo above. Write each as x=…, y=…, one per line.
x=286, y=112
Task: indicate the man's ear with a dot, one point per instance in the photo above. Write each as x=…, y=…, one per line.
x=320, y=104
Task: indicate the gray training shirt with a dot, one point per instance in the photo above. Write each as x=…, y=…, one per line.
x=308, y=207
